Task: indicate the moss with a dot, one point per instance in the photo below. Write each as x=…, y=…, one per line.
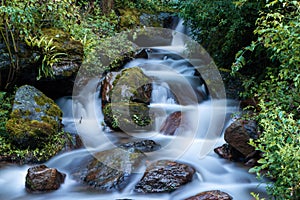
x=28, y=133
x=12, y=153
x=134, y=79
x=130, y=18
x=116, y=116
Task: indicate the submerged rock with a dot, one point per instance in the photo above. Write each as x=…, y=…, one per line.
x=143, y=145
x=171, y=124
x=41, y=179
x=211, y=195
x=109, y=170
x=34, y=118
x=164, y=176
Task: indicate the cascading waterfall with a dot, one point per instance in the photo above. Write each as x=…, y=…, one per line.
x=175, y=88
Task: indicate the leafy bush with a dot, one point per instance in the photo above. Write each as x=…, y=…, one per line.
x=280, y=144
x=278, y=31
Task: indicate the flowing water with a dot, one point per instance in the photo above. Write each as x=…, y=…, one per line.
x=175, y=88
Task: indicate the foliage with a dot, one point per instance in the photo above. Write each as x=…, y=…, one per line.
x=21, y=20
x=278, y=32
x=5, y=110
x=49, y=56
x=221, y=27
x=280, y=144
x=50, y=149
x=148, y=6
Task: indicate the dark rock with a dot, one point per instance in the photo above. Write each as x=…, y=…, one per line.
x=238, y=135
x=41, y=178
x=164, y=176
x=127, y=117
x=171, y=124
x=34, y=118
x=73, y=142
x=143, y=145
x=228, y=152
x=211, y=195
x=109, y=170
x=142, y=53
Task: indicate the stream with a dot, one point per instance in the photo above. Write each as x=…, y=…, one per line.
x=175, y=88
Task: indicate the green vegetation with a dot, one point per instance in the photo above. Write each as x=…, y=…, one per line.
x=260, y=40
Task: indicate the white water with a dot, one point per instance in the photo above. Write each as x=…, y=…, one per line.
x=175, y=89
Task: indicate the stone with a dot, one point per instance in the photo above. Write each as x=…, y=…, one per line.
x=164, y=176
x=125, y=96
x=127, y=117
x=211, y=195
x=228, y=152
x=171, y=124
x=34, y=118
x=238, y=135
x=128, y=85
x=143, y=145
x=41, y=179
x=109, y=170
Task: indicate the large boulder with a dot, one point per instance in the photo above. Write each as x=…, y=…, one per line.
x=211, y=195
x=164, y=176
x=42, y=179
x=171, y=124
x=125, y=96
x=109, y=170
x=34, y=118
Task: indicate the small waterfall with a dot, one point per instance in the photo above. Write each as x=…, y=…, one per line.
x=176, y=87
x=178, y=34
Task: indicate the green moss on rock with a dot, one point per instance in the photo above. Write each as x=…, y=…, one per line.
x=34, y=120
x=128, y=117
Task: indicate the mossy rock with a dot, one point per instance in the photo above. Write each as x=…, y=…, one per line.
x=72, y=52
x=129, y=85
x=127, y=117
x=34, y=118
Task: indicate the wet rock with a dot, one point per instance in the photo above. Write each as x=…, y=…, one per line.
x=127, y=117
x=171, y=124
x=211, y=195
x=128, y=85
x=238, y=135
x=41, y=178
x=34, y=118
x=228, y=152
x=143, y=146
x=109, y=170
x=125, y=96
x=164, y=176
